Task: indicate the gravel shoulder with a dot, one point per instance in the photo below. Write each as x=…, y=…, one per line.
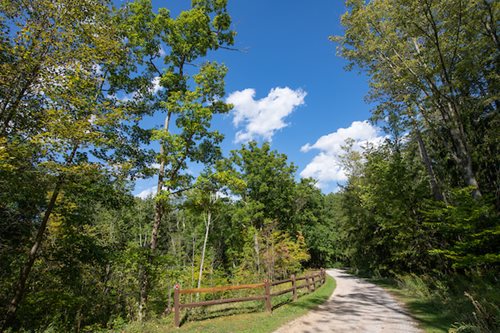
x=355, y=306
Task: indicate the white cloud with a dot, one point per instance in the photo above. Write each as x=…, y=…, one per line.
x=263, y=117
x=149, y=192
x=228, y=194
x=326, y=167
x=360, y=131
x=156, y=85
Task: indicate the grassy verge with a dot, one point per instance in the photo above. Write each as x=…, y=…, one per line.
x=258, y=322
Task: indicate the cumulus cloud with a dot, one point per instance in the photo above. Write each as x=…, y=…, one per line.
x=149, y=192
x=263, y=117
x=156, y=85
x=326, y=167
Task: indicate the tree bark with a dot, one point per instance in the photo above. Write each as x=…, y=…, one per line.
x=192, y=265
x=463, y=156
x=207, y=229
x=159, y=205
x=9, y=113
x=433, y=181
x=257, y=251
x=168, y=309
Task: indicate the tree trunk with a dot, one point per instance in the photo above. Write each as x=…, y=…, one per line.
x=158, y=205
x=20, y=287
x=448, y=106
x=192, y=265
x=144, y=278
x=463, y=156
x=207, y=229
x=257, y=251
x=433, y=181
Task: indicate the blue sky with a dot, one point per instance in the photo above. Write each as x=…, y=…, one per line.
x=288, y=85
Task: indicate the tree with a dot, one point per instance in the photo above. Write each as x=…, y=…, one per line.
x=428, y=58
x=191, y=99
x=380, y=227
x=318, y=216
x=272, y=212
x=270, y=183
x=56, y=119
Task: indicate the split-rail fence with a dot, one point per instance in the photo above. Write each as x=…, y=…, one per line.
x=311, y=282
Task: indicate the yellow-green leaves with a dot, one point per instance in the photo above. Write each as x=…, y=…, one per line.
x=190, y=95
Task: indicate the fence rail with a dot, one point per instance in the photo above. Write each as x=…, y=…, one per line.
x=311, y=281
x=221, y=288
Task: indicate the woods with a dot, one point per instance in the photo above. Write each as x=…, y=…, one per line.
x=95, y=97
x=426, y=201
x=437, y=96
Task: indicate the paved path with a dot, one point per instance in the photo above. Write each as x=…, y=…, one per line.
x=356, y=306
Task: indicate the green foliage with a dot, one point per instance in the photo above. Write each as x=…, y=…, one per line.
x=269, y=183
x=269, y=253
x=424, y=204
x=188, y=89
x=381, y=228
x=63, y=144
x=433, y=68
x=76, y=80
x=470, y=229
x=283, y=255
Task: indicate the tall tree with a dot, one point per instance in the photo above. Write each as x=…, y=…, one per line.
x=430, y=57
x=189, y=97
x=54, y=111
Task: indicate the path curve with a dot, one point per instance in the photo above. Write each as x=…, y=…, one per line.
x=356, y=306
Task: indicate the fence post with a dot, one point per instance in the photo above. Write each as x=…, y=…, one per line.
x=323, y=276
x=294, y=286
x=267, y=288
x=313, y=283
x=307, y=283
x=177, y=310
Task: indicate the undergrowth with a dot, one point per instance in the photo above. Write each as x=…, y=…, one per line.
x=466, y=303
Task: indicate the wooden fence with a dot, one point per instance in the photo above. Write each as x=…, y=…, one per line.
x=310, y=282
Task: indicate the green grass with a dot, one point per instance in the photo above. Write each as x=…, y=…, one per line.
x=428, y=311
x=255, y=320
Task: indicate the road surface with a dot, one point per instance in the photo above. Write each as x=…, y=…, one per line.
x=356, y=306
